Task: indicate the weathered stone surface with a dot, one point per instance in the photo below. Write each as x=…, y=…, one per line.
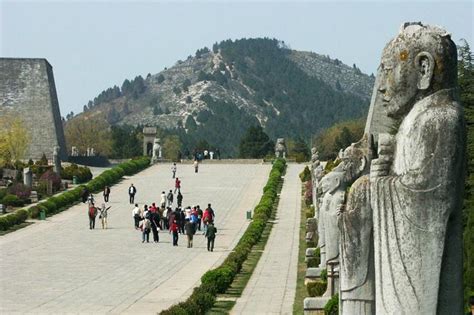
x=315, y=305
x=27, y=177
x=56, y=161
x=313, y=273
x=357, y=288
x=27, y=90
x=156, y=150
x=416, y=190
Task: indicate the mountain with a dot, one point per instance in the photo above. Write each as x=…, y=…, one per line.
x=217, y=94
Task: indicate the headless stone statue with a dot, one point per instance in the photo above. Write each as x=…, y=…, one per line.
x=416, y=184
x=356, y=275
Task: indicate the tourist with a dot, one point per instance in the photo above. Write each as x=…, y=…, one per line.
x=92, y=214
x=170, y=198
x=196, y=166
x=145, y=226
x=132, y=190
x=85, y=195
x=153, y=208
x=177, y=185
x=106, y=193
x=103, y=215
x=145, y=213
x=90, y=199
x=211, y=235
x=207, y=217
x=199, y=217
x=173, y=169
x=182, y=220
x=179, y=199
x=174, y=230
x=163, y=200
x=190, y=230
x=164, y=219
x=171, y=216
x=136, y=215
x=155, y=224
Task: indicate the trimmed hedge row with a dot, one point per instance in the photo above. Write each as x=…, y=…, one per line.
x=58, y=203
x=218, y=280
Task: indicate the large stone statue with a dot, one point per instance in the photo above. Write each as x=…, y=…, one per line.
x=280, y=148
x=156, y=150
x=416, y=184
x=356, y=275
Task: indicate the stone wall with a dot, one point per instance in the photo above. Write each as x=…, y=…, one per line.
x=27, y=89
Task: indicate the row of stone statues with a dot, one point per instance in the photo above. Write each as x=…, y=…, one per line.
x=389, y=215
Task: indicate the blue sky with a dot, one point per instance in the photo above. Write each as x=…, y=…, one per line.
x=93, y=45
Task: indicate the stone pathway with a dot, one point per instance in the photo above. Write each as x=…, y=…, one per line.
x=60, y=266
x=271, y=289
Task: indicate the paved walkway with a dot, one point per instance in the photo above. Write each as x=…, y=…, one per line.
x=60, y=266
x=271, y=289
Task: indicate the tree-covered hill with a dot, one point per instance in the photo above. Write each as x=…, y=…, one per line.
x=219, y=93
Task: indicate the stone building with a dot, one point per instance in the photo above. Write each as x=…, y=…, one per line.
x=27, y=89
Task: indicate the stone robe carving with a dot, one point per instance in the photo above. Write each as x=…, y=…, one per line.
x=417, y=205
x=156, y=150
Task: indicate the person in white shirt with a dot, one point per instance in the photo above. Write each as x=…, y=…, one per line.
x=136, y=215
x=131, y=192
x=173, y=169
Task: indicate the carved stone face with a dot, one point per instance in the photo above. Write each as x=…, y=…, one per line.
x=398, y=83
x=331, y=182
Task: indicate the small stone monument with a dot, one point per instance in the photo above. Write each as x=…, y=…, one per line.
x=27, y=177
x=74, y=151
x=280, y=148
x=56, y=160
x=156, y=150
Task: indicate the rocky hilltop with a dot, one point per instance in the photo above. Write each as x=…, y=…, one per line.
x=217, y=94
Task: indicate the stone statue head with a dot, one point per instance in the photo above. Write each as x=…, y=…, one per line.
x=419, y=61
x=354, y=160
x=332, y=180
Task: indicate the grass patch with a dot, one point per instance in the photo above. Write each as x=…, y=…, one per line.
x=301, y=292
x=240, y=281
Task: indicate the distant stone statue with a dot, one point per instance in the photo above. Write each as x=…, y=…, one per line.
x=334, y=186
x=27, y=177
x=317, y=172
x=280, y=148
x=156, y=150
x=417, y=181
x=74, y=151
x=356, y=272
x=56, y=160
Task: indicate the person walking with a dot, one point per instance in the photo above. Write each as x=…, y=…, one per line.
x=106, y=193
x=92, y=214
x=174, y=230
x=196, y=166
x=145, y=226
x=85, y=195
x=132, y=190
x=136, y=215
x=170, y=198
x=155, y=224
x=173, y=169
x=164, y=219
x=163, y=200
x=190, y=230
x=177, y=185
x=179, y=199
x=199, y=217
x=211, y=235
x=207, y=217
x=103, y=215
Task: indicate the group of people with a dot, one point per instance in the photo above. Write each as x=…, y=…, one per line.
x=186, y=221
x=151, y=219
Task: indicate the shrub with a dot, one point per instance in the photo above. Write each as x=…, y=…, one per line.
x=12, y=200
x=220, y=277
x=3, y=192
x=305, y=175
x=34, y=212
x=332, y=306
x=82, y=173
x=12, y=219
x=316, y=288
x=20, y=190
x=324, y=275
x=49, y=175
x=312, y=262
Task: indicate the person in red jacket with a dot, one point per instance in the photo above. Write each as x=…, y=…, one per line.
x=177, y=185
x=174, y=230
